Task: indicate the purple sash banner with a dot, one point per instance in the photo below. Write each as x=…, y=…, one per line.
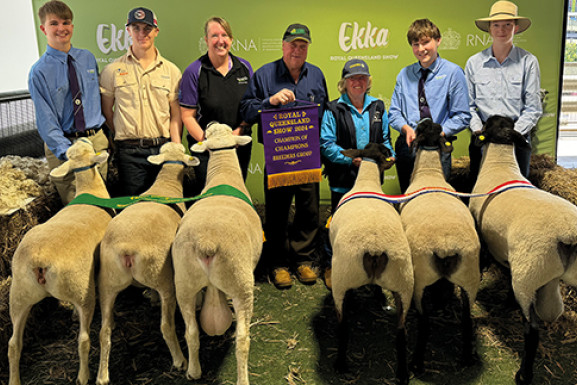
x=291, y=145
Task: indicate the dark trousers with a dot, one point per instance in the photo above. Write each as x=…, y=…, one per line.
x=406, y=162
x=522, y=154
x=136, y=174
x=243, y=153
x=290, y=246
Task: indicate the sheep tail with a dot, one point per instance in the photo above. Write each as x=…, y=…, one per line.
x=447, y=265
x=40, y=273
x=215, y=315
x=374, y=265
x=206, y=250
x=567, y=253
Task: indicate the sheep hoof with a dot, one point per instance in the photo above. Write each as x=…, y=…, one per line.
x=521, y=380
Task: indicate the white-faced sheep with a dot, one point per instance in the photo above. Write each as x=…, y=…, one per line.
x=217, y=246
x=530, y=230
x=136, y=249
x=442, y=237
x=370, y=247
x=57, y=258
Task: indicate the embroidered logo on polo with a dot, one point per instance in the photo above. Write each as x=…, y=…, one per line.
x=242, y=80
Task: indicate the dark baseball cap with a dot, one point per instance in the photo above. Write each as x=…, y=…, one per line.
x=355, y=67
x=297, y=31
x=142, y=15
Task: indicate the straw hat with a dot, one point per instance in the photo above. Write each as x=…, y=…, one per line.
x=503, y=10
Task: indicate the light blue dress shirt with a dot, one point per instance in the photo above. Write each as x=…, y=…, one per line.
x=50, y=92
x=447, y=97
x=511, y=88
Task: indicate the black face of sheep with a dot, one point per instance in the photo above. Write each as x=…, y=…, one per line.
x=375, y=151
x=429, y=136
x=500, y=130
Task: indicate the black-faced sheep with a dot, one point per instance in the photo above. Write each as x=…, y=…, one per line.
x=530, y=230
x=442, y=236
x=57, y=258
x=136, y=249
x=370, y=247
x=217, y=246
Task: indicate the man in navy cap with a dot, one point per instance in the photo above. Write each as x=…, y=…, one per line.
x=280, y=83
x=140, y=103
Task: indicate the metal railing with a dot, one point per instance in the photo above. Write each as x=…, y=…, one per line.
x=18, y=132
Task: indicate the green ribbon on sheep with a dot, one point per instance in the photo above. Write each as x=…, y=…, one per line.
x=123, y=202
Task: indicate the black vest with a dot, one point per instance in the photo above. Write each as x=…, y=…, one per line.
x=341, y=175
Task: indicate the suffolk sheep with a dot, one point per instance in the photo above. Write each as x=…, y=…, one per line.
x=442, y=236
x=217, y=246
x=136, y=249
x=370, y=247
x=57, y=258
x=529, y=230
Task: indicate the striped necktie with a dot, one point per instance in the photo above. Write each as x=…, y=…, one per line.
x=79, y=123
x=424, y=110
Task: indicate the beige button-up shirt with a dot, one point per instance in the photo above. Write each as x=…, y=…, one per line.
x=142, y=97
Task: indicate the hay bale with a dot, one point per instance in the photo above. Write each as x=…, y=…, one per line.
x=460, y=179
x=23, y=178
x=549, y=176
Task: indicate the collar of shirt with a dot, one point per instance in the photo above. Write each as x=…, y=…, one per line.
x=434, y=68
x=346, y=100
x=513, y=55
x=60, y=55
x=282, y=70
x=159, y=59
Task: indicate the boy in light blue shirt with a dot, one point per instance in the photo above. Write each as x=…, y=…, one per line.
x=442, y=97
x=56, y=107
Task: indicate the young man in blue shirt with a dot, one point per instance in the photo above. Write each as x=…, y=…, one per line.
x=441, y=97
x=504, y=80
x=57, y=110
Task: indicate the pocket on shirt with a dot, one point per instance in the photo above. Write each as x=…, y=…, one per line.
x=125, y=86
x=484, y=87
x=515, y=87
x=161, y=88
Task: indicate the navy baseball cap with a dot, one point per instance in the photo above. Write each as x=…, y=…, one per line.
x=355, y=67
x=142, y=15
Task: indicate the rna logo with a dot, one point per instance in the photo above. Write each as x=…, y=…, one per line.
x=451, y=39
x=352, y=37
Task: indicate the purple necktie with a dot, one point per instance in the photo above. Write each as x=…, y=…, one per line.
x=423, y=106
x=79, y=123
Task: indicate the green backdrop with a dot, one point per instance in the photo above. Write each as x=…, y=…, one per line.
x=339, y=32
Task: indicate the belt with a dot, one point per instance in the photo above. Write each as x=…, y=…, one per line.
x=142, y=142
x=82, y=134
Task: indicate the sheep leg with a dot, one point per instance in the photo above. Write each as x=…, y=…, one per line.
x=18, y=315
x=168, y=308
x=469, y=355
x=418, y=361
x=188, y=310
x=85, y=314
x=525, y=374
x=107, y=298
x=401, y=343
x=243, y=308
x=342, y=332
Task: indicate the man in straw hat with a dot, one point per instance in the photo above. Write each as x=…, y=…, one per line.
x=504, y=80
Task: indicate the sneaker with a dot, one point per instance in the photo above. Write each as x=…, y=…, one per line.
x=281, y=278
x=328, y=278
x=306, y=274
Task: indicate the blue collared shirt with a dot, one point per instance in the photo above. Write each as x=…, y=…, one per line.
x=273, y=77
x=50, y=92
x=511, y=88
x=447, y=97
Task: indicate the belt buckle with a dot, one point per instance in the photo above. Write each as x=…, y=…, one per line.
x=142, y=143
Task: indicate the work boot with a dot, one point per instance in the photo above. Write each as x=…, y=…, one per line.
x=306, y=274
x=281, y=278
x=328, y=278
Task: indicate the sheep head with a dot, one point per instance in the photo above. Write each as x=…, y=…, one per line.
x=219, y=136
x=173, y=152
x=430, y=136
x=500, y=130
x=375, y=151
x=80, y=154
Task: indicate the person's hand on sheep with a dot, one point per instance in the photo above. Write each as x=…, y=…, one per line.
x=357, y=161
x=282, y=97
x=409, y=134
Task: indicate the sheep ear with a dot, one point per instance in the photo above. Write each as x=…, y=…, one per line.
x=389, y=162
x=242, y=140
x=351, y=153
x=61, y=171
x=479, y=138
x=191, y=161
x=199, y=147
x=446, y=143
x=99, y=157
x=156, y=159
x=520, y=141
